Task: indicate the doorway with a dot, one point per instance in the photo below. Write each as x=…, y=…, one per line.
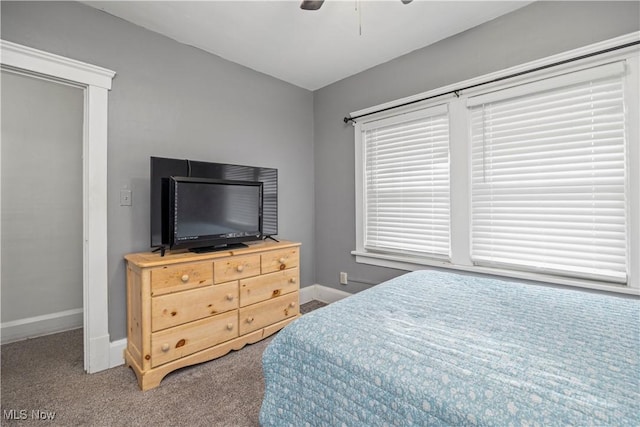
x=41, y=206
x=95, y=82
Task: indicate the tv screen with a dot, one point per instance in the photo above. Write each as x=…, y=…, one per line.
x=211, y=213
x=161, y=169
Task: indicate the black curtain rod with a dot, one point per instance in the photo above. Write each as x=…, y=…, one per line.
x=456, y=92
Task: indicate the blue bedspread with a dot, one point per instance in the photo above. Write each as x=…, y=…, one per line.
x=432, y=348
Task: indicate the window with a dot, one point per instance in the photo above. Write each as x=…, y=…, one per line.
x=535, y=177
x=549, y=171
x=406, y=179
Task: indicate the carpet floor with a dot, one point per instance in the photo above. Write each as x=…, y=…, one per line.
x=43, y=383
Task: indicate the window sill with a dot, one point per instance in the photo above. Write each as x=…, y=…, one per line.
x=411, y=264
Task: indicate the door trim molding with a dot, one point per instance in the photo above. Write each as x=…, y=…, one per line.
x=95, y=82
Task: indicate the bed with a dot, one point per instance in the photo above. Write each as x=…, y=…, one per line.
x=433, y=349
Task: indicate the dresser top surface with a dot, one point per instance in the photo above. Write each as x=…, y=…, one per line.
x=153, y=259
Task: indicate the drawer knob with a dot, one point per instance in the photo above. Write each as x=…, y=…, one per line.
x=229, y=326
x=249, y=319
x=240, y=268
x=165, y=347
x=185, y=278
x=292, y=280
x=230, y=297
x=281, y=260
x=292, y=304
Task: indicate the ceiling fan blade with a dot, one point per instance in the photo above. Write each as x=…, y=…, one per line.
x=311, y=4
x=316, y=4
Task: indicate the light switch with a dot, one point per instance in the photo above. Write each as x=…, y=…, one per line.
x=125, y=197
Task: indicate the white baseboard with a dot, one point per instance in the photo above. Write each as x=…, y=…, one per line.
x=321, y=293
x=116, y=352
x=38, y=326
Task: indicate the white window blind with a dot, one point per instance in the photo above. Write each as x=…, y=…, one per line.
x=549, y=175
x=406, y=184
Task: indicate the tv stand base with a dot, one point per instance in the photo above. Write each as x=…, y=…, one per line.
x=207, y=249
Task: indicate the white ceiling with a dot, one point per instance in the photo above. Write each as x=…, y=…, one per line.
x=310, y=49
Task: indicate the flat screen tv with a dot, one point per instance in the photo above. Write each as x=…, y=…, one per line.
x=209, y=214
x=162, y=169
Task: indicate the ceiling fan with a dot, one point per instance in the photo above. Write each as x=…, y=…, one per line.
x=316, y=4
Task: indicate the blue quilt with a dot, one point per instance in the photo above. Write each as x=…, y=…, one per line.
x=434, y=349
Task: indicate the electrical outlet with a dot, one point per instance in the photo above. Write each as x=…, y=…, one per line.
x=125, y=197
x=344, y=279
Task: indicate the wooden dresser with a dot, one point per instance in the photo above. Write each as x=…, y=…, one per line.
x=187, y=308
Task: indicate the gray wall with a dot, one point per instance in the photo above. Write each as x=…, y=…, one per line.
x=172, y=100
x=41, y=197
x=530, y=33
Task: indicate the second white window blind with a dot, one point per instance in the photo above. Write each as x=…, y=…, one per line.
x=548, y=190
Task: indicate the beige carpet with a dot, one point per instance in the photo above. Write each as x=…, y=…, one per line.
x=44, y=376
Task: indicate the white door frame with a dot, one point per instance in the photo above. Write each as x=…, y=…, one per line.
x=95, y=82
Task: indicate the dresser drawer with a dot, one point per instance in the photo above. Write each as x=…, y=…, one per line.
x=272, y=285
x=189, y=338
x=173, y=278
x=236, y=268
x=279, y=260
x=266, y=313
x=182, y=307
